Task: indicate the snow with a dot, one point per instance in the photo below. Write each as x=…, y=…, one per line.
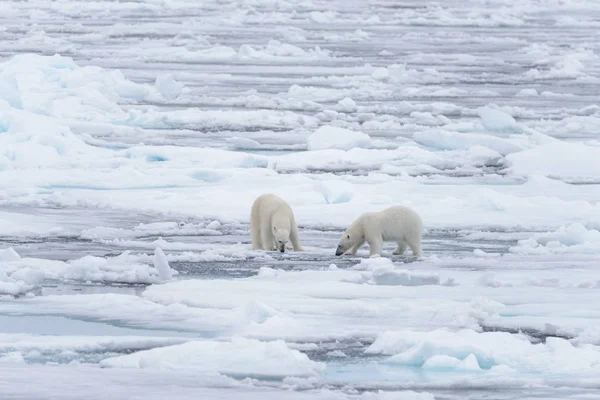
x=240, y=358
x=448, y=140
x=331, y=137
x=571, y=162
x=335, y=192
x=574, y=238
x=389, y=276
x=9, y=254
x=168, y=87
x=134, y=137
x=347, y=105
x=472, y=351
x=527, y=93
x=498, y=121
x=162, y=264
x=381, y=74
x=12, y=358
x=31, y=345
x=19, y=275
x=94, y=384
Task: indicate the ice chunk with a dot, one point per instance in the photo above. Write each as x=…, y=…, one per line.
x=483, y=254
x=14, y=279
x=575, y=126
x=498, y=121
x=162, y=265
x=123, y=268
x=469, y=363
x=209, y=158
x=570, y=66
x=4, y=122
x=331, y=137
x=243, y=143
x=207, y=175
x=347, y=105
x=57, y=86
x=401, y=395
x=337, y=354
x=33, y=141
x=168, y=86
x=335, y=192
x=153, y=229
x=572, y=238
x=12, y=357
x=485, y=351
x=215, y=225
x=388, y=275
x=527, y=93
x=370, y=264
x=275, y=50
x=12, y=288
x=22, y=275
x=571, y=162
x=380, y=74
x=381, y=271
x=239, y=358
x=12, y=285
x=9, y=254
x=9, y=90
x=441, y=362
x=258, y=312
x=49, y=343
x=28, y=276
x=448, y=140
x=325, y=17
x=570, y=235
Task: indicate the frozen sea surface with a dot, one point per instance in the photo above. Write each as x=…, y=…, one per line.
x=134, y=137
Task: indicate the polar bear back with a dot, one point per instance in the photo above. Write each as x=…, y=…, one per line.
x=394, y=223
x=269, y=206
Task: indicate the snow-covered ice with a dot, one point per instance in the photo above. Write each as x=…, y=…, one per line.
x=330, y=137
x=134, y=137
x=240, y=357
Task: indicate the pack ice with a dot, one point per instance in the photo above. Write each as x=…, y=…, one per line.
x=134, y=137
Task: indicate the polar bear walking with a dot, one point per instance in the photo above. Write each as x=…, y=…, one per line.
x=272, y=224
x=395, y=224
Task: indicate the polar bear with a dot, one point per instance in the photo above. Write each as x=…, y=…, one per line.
x=272, y=224
x=394, y=224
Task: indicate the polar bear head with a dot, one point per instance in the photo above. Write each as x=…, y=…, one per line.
x=280, y=225
x=353, y=236
x=281, y=236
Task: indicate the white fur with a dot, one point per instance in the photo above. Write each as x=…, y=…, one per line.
x=395, y=224
x=272, y=224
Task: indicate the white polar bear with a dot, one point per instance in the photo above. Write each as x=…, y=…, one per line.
x=272, y=224
x=395, y=224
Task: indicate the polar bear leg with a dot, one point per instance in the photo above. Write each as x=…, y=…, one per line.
x=415, y=245
x=401, y=248
x=295, y=238
x=375, y=246
x=266, y=236
x=255, y=234
x=352, y=250
x=416, y=249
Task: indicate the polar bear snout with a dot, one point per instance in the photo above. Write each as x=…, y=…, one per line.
x=281, y=246
x=339, y=251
